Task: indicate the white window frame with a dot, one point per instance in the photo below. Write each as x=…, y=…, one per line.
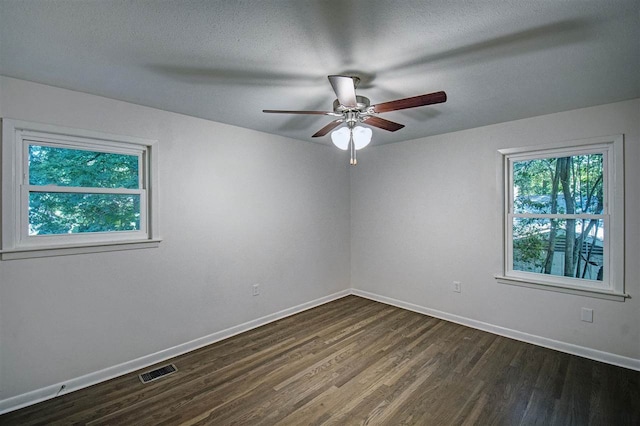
x=612, y=285
x=16, y=241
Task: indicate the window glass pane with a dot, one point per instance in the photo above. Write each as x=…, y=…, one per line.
x=80, y=168
x=571, y=248
x=68, y=213
x=565, y=185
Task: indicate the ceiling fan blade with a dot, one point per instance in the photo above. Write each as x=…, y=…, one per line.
x=345, y=90
x=383, y=124
x=281, y=111
x=415, y=101
x=326, y=129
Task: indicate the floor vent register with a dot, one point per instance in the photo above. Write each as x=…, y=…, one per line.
x=158, y=373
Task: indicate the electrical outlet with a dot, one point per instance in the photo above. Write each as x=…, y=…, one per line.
x=457, y=286
x=586, y=315
x=256, y=289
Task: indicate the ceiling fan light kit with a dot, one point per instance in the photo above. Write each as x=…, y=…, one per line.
x=352, y=109
x=352, y=139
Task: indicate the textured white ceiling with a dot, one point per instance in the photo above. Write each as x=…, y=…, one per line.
x=497, y=60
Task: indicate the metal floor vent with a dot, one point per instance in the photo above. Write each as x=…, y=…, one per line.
x=152, y=375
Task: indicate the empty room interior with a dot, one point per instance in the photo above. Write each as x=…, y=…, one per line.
x=320, y=212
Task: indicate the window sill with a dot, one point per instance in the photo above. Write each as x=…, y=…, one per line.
x=541, y=285
x=34, y=252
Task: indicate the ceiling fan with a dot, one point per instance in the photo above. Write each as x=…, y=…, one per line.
x=352, y=109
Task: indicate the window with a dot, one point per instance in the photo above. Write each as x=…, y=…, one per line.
x=67, y=191
x=564, y=217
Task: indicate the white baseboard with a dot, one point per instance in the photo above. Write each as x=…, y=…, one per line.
x=49, y=392
x=606, y=357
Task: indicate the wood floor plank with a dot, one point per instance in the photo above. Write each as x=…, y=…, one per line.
x=355, y=361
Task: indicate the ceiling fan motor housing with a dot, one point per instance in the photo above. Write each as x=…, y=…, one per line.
x=362, y=104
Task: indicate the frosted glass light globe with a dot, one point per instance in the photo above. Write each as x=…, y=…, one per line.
x=340, y=138
x=361, y=136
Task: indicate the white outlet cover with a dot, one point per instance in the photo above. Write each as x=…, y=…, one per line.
x=586, y=315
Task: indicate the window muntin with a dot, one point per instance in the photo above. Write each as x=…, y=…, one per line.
x=564, y=216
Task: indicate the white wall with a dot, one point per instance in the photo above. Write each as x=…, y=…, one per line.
x=427, y=212
x=237, y=207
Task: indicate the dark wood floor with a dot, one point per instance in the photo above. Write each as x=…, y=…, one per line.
x=354, y=361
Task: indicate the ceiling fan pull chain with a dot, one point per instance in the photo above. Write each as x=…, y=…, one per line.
x=352, y=148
